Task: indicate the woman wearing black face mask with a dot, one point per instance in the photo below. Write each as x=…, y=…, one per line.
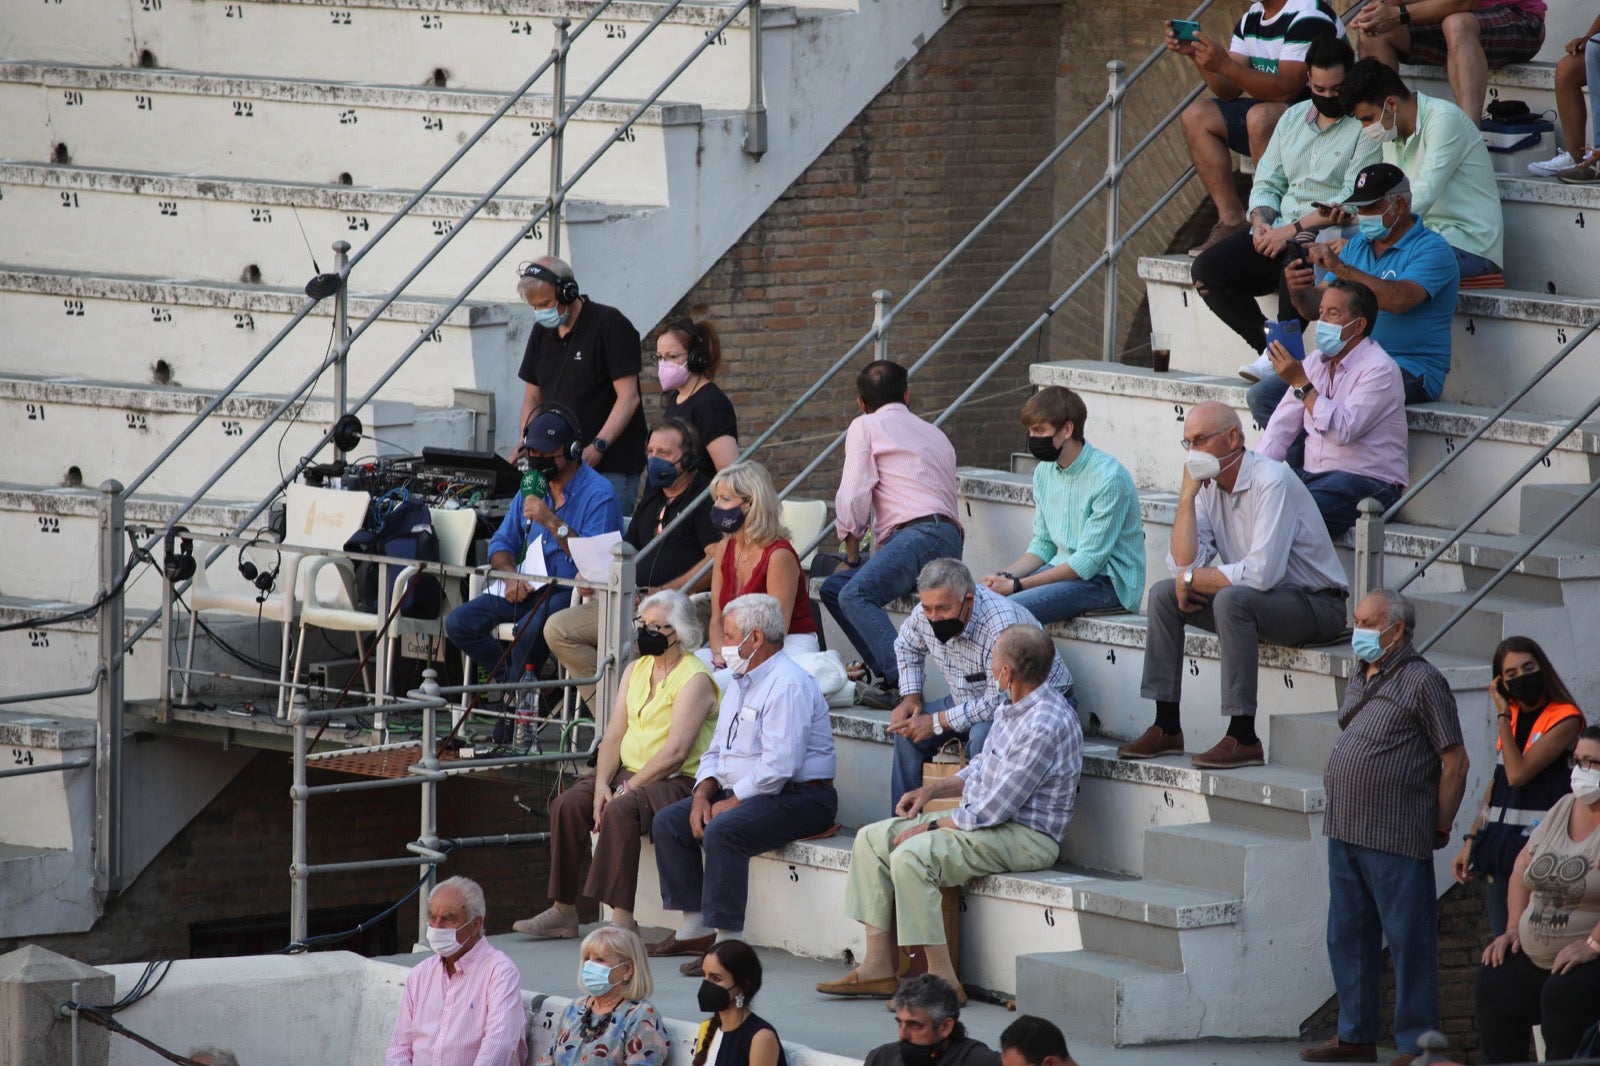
x=734, y=1035
x=661, y=724
x=1537, y=724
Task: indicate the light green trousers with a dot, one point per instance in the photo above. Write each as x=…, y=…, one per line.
x=898, y=888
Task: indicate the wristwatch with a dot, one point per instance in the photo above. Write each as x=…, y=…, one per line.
x=938, y=728
x=1188, y=579
x=1301, y=391
x=563, y=531
x=1405, y=16
x=600, y=444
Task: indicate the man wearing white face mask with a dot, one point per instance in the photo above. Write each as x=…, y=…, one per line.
x=766, y=780
x=1250, y=558
x=1349, y=404
x=463, y=1006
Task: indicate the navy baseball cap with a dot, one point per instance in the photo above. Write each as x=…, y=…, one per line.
x=549, y=432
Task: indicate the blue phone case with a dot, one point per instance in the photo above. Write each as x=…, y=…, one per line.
x=1185, y=29
x=1288, y=335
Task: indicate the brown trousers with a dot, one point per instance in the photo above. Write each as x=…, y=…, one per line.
x=614, y=871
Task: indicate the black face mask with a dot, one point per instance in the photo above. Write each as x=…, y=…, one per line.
x=649, y=642
x=946, y=629
x=713, y=998
x=1044, y=449
x=918, y=1054
x=1327, y=106
x=546, y=465
x=1526, y=689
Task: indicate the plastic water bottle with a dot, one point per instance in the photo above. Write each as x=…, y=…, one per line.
x=527, y=711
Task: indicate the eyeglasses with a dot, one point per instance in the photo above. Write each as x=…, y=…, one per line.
x=1201, y=439
x=1582, y=763
x=649, y=627
x=673, y=357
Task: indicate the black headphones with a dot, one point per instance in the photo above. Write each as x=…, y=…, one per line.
x=178, y=563
x=574, y=447
x=264, y=581
x=691, y=441
x=698, y=358
x=566, y=288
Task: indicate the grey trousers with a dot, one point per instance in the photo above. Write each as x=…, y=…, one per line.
x=1240, y=617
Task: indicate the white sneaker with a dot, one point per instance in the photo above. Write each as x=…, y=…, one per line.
x=1260, y=368
x=1550, y=168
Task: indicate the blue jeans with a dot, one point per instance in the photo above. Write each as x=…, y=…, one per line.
x=1473, y=265
x=712, y=875
x=1373, y=895
x=471, y=627
x=1062, y=601
x=909, y=755
x=1338, y=491
x=626, y=486
x=856, y=597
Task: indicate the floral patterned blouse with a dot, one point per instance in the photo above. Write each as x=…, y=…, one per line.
x=631, y=1034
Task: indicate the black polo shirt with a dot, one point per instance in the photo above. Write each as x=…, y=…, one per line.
x=684, y=548
x=578, y=370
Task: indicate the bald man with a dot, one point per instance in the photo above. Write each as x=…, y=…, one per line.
x=1250, y=558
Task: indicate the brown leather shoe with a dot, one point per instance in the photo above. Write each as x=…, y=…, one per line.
x=1335, y=1050
x=851, y=984
x=692, y=968
x=695, y=945
x=1229, y=754
x=1150, y=743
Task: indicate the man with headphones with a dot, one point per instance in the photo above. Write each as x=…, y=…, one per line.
x=577, y=503
x=673, y=480
x=585, y=355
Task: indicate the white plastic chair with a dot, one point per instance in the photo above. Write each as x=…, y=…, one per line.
x=315, y=518
x=805, y=519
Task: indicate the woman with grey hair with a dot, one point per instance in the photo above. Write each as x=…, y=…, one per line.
x=614, y=1022
x=662, y=723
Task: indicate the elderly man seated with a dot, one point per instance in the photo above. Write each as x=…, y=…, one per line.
x=766, y=780
x=929, y=1018
x=1016, y=799
x=465, y=1003
x=956, y=623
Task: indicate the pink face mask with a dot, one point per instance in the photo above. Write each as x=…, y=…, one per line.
x=672, y=375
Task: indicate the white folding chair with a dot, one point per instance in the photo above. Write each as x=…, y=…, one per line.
x=805, y=519
x=316, y=518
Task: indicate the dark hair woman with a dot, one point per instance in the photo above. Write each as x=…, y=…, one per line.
x=688, y=354
x=734, y=1035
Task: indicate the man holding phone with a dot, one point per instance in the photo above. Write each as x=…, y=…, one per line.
x=1254, y=79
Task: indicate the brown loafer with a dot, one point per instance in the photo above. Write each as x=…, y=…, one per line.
x=851, y=984
x=1335, y=1050
x=1229, y=754
x=692, y=968
x=695, y=945
x=1152, y=742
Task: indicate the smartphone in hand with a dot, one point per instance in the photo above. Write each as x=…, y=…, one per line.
x=1185, y=29
x=1287, y=333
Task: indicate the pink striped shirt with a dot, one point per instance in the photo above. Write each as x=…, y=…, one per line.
x=896, y=467
x=1357, y=422
x=473, y=1017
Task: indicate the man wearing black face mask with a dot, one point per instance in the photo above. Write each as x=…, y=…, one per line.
x=929, y=1017
x=957, y=623
x=577, y=503
x=1314, y=156
x=673, y=481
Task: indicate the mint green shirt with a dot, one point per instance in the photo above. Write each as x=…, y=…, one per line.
x=1305, y=163
x=1452, y=181
x=1087, y=516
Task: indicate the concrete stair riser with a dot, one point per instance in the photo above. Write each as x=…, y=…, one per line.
x=1100, y=996
x=1551, y=230
x=66, y=656
x=1304, y=741
x=483, y=45
x=1541, y=504
x=297, y=131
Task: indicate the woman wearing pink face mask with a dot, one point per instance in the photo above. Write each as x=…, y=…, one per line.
x=688, y=354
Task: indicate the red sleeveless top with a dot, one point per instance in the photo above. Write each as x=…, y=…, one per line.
x=801, y=620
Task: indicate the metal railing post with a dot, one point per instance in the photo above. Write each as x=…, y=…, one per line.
x=299, y=876
x=755, y=115
x=1369, y=549
x=1116, y=94
x=880, y=322
x=108, y=739
x=558, y=107
x=428, y=834
x=341, y=331
x=616, y=618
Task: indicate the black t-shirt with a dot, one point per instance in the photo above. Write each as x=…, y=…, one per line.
x=685, y=547
x=578, y=370
x=710, y=412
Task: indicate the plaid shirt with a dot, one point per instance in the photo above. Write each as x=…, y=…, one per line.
x=1382, y=778
x=964, y=661
x=1028, y=770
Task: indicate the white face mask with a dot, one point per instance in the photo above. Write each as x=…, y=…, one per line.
x=1203, y=466
x=739, y=664
x=443, y=941
x=1586, y=784
x=1378, y=133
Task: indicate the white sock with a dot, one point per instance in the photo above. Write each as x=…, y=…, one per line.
x=692, y=926
x=723, y=934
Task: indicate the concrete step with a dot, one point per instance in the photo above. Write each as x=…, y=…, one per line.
x=199, y=334
x=187, y=227
x=371, y=136
x=1304, y=741
x=1126, y=405
x=65, y=655
x=1542, y=214
x=47, y=826
x=1500, y=339
x=479, y=43
x=75, y=432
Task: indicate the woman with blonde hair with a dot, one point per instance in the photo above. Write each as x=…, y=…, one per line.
x=755, y=555
x=614, y=1022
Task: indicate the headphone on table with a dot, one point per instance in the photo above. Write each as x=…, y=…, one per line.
x=574, y=447
x=263, y=580
x=691, y=441
x=566, y=288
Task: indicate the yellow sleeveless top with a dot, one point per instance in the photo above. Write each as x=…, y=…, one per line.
x=649, y=717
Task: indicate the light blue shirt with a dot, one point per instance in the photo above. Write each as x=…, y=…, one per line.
x=772, y=730
x=1087, y=516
